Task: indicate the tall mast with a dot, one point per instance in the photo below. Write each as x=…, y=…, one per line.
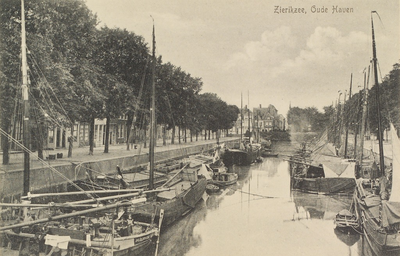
x=338, y=126
x=241, y=116
x=258, y=126
x=25, y=97
x=152, y=114
x=363, y=118
x=347, y=121
x=380, y=132
x=248, y=113
x=343, y=123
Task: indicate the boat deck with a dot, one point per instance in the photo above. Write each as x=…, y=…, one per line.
x=176, y=189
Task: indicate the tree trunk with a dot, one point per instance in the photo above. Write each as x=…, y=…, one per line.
x=107, y=140
x=205, y=134
x=40, y=137
x=71, y=141
x=155, y=136
x=191, y=136
x=164, y=135
x=197, y=135
x=209, y=134
x=128, y=129
x=91, y=136
x=179, y=134
x=185, y=135
x=173, y=135
x=5, y=145
x=145, y=138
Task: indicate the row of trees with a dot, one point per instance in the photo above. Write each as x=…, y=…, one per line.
x=349, y=114
x=308, y=119
x=79, y=72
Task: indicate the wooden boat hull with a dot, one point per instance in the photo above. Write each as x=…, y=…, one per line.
x=324, y=186
x=223, y=179
x=130, y=246
x=347, y=222
x=123, y=246
x=240, y=157
x=212, y=189
x=223, y=183
x=380, y=241
x=268, y=154
x=173, y=208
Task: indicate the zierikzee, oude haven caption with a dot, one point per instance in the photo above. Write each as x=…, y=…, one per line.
x=313, y=9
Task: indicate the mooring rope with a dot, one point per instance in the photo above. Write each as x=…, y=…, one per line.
x=257, y=194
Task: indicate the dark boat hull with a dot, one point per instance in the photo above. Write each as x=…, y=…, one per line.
x=240, y=157
x=174, y=208
x=324, y=186
x=380, y=241
x=268, y=154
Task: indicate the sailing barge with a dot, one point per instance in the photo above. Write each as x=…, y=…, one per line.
x=379, y=207
x=319, y=180
x=97, y=231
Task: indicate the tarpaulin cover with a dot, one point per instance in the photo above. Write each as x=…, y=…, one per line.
x=372, y=200
x=204, y=171
x=327, y=150
x=335, y=169
x=390, y=213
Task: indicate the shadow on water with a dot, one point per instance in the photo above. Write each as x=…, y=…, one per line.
x=178, y=238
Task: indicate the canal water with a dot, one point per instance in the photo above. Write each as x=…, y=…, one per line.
x=260, y=215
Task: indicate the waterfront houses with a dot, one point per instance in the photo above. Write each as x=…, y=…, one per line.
x=262, y=119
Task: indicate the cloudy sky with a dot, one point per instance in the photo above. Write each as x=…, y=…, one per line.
x=239, y=46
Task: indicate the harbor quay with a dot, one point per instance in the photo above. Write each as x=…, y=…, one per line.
x=58, y=170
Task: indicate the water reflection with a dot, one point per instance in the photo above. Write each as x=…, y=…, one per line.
x=261, y=216
x=180, y=237
x=319, y=206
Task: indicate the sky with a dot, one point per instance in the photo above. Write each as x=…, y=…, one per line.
x=251, y=48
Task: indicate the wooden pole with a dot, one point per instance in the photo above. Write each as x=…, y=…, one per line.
x=30, y=195
x=380, y=130
x=363, y=118
x=347, y=119
x=153, y=115
x=168, y=181
x=241, y=117
x=68, y=215
x=159, y=230
x=66, y=205
x=26, y=106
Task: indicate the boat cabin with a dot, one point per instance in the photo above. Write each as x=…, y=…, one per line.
x=315, y=172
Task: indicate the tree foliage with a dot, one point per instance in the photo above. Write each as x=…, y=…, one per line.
x=80, y=72
x=389, y=101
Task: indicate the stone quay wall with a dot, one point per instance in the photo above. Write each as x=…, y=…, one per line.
x=56, y=178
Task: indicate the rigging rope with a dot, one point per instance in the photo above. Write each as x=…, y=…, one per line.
x=44, y=162
x=32, y=57
x=48, y=103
